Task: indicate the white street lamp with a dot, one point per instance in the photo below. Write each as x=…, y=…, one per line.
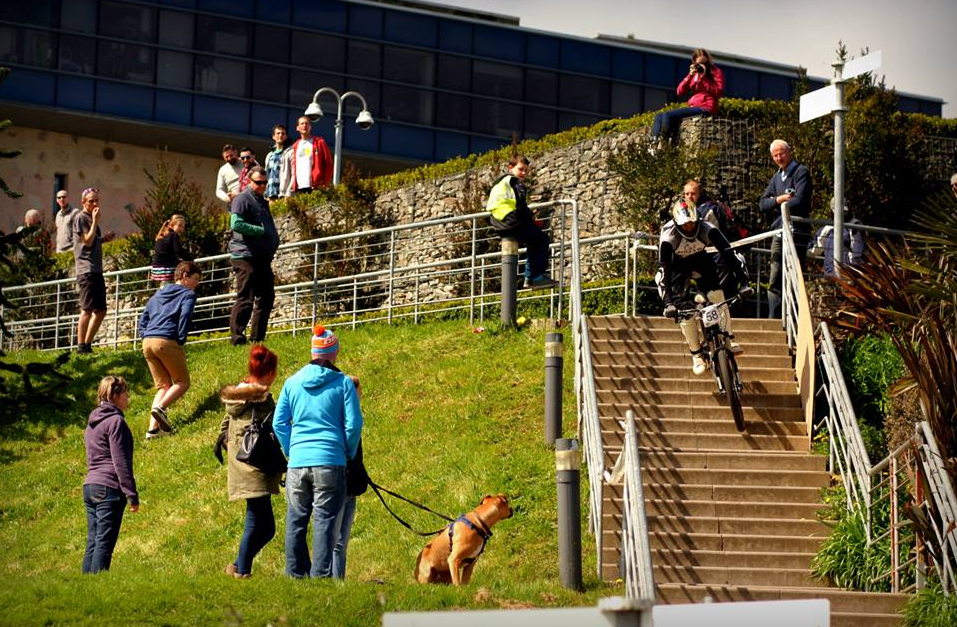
x=364, y=121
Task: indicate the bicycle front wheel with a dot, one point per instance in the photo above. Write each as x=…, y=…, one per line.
x=726, y=373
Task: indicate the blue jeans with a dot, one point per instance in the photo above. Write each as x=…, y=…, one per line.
x=668, y=122
x=344, y=524
x=319, y=491
x=259, y=529
x=104, y=513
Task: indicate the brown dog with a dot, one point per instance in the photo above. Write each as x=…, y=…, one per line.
x=451, y=555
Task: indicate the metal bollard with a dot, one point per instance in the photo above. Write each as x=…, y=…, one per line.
x=554, y=362
x=509, y=280
x=568, y=476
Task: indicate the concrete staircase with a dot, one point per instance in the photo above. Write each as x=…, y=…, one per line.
x=731, y=516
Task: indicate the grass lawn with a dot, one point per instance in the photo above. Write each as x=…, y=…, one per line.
x=450, y=415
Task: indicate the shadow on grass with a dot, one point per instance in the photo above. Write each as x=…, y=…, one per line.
x=54, y=404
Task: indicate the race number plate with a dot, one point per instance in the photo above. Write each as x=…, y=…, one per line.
x=709, y=316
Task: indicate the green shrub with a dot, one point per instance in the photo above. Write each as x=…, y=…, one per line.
x=871, y=365
x=931, y=608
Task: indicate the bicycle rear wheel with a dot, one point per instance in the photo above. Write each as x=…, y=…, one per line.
x=726, y=373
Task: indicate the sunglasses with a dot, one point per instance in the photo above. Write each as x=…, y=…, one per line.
x=258, y=181
x=246, y=158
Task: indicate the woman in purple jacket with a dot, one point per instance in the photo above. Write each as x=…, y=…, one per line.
x=109, y=481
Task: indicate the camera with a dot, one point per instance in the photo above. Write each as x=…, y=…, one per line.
x=789, y=190
x=699, y=68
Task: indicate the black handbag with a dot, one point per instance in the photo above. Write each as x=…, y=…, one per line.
x=260, y=448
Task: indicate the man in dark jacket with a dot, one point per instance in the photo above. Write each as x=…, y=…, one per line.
x=252, y=249
x=791, y=184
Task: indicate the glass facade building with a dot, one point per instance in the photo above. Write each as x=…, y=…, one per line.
x=439, y=82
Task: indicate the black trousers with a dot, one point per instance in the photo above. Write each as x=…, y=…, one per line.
x=255, y=295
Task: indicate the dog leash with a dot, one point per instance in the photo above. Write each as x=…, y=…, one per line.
x=375, y=488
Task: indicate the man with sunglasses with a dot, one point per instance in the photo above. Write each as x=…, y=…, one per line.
x=88, y=264
x=252, y=249
x=64, y=221
x=248, y=159
x=227, y=180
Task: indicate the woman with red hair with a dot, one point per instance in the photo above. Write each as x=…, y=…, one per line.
x=248, y=401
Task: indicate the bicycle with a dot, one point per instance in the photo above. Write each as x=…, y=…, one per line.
x=715, y=349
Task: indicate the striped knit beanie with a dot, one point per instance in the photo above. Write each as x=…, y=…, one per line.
x=325, y=344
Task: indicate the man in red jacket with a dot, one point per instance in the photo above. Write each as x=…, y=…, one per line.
x=311, y=164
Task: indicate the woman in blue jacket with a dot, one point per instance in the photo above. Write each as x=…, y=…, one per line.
x=164, y=325
x=318, y=423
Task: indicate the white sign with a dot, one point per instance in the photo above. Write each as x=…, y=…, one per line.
x=818, y=102
x=856, y=67
x=802, y=613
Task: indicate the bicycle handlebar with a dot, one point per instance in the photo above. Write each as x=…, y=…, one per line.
x=744, y=292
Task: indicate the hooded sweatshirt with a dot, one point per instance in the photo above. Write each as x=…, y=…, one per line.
x=318, y=421
x=168, y=313
x=109, y=451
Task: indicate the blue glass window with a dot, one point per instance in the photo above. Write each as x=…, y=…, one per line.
x=355, y=138
x=365, y=21
x=452, y=111
x=78, y=16
x=221, y=114
x=660, y=70
x=176, y=29
x=775, y=87
x=492, y=117
x=485, y=144
x=407, y=104
x=303, y=86
x=215, y=34
x=578, y=56
x=625, y=100
x=410, y=28
x=174, y=107
x=174, y=69
x=741, y=83
x=540, y=122
x=276, y=11
x=77, y=54
x=264, y=117
x=270, y=83
x=579, y=92
x=569, y=120
x=220, y=76
x=127, y=21
x=321, y=52
x=655, y=98
x=27, y=46
x=73, y=92
x=498, y=43
x=125, y=61
x=455, y=36
x=450, y=145
x=238, y=8
x=183, y=4
x=497, y=79
x=321, y=14
x=39, y=12
x=407, y=142
x=930, y=108
x=364, y=58
x=408, y=66
x=628, y=65
x=369, y=90
x=455, y=72
x=271, y=44
x=543, y=50
x=128, y=101
x=29, y=86
x=541, y=87
x=908, y=105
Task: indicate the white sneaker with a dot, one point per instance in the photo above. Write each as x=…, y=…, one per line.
x=698, y=365
x=155, y=433
x=735, y=348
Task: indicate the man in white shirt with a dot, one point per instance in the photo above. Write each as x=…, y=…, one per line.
x=227, y=181
x=311, y=164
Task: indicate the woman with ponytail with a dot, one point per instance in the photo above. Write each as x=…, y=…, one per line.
x=168, y=251
x=250, y=400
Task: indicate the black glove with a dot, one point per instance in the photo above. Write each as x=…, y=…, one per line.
x=670, y=312
x=220, y=446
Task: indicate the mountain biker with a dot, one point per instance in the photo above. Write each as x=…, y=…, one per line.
x=681, y=257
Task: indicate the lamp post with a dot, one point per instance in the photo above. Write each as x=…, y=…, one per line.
x=364, y=121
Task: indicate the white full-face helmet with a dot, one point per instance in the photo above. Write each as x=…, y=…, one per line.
x=684, y=214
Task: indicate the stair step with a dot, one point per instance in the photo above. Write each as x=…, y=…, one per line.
x=729, y=526
x=618, y=410
x=706, y=398
x=697, y=441
x=752, y=478
x=736, y=576
x=721, y=509
x=744, y=336
x=659, y=322
x=676, y=345
x=731, y=559
x=842, y=601
x=608, y=356
x=726, y=542
x=770, y=460
x=606, y=379
x=606, y=368
x=730, y=493
x=723, y=425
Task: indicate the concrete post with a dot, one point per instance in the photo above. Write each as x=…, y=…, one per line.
x=568, y=476
x=839, y=113
x=509, y=280
x=554, y=362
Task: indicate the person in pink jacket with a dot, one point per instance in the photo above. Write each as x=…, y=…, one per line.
x=705, y=83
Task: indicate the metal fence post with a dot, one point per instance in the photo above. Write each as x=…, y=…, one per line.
x=554, y=347
x=391, y=272
x=116, y=314
x=509, y=280
x=59, y=304
x=472, y=272
x=567, y=476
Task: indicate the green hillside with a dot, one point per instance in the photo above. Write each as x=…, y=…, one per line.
x=450, y=415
